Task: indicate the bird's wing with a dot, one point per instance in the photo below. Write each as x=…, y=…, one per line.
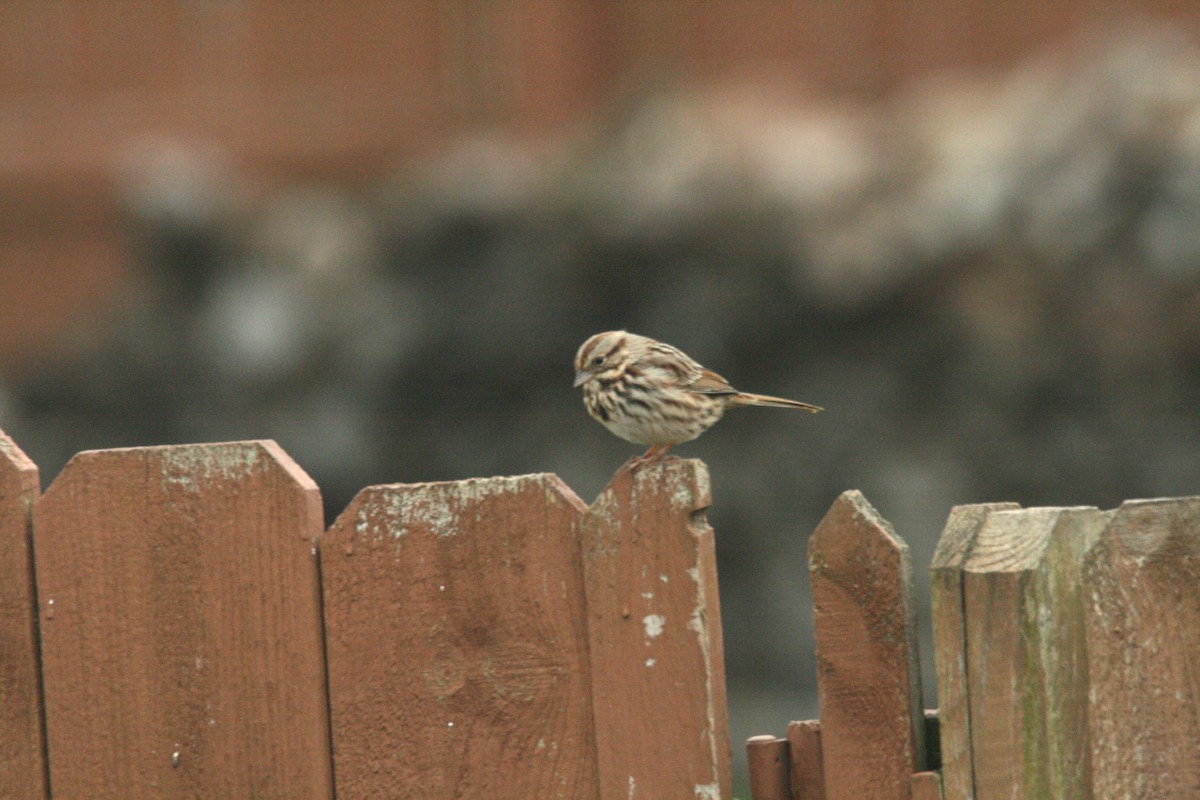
x=670, y=366
x=709, y=382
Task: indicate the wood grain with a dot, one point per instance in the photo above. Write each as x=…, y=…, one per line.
x=1026, y=659
x=23, y=769
x=807, y=768
x=1142, y=583
x=872, y=725
x=767, y=762
x=181, y=625
x=654, y=627
x=950, y=644
x=457, y=642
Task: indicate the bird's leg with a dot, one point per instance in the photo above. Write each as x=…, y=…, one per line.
x=655, y=453
x=644, y=458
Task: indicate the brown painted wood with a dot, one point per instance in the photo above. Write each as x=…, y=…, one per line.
x=927, y=786
x=868, y=676
x=654, y=627
x=768, y=764
x=181, y=625
x=1026, y=659
x=950, y=644
x=457, y=644
x=1142, y=581
x=22, y=744
x=807, y=769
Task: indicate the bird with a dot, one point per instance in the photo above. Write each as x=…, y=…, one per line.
x=650, y=393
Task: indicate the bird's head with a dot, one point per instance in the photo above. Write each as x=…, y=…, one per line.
x=605, y=355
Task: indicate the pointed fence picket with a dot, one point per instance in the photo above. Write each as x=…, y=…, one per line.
x=174, y=622
x=868, y=679
x=180, y=622
x=458, y=654
x=22, y=745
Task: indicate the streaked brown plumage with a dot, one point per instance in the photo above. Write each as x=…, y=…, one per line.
x=650, y=393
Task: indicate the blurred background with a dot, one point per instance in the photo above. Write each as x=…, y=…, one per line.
x=377, y=233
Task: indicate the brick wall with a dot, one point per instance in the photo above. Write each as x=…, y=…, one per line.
x=336, y=91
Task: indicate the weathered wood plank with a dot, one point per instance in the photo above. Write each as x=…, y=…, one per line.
x=872, y=725
x=457, y=643
x=181, y=625
x=1142, y=584
x=767, y=762
x=1026, y=659
x=950, y=644
x=22, y=746
x=654, y=626
x=808, y=771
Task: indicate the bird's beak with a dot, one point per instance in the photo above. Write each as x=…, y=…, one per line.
x=581, y=377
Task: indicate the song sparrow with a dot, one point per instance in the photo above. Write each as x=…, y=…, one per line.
x=650, y=393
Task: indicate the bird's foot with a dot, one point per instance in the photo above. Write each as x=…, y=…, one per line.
x=654, y=455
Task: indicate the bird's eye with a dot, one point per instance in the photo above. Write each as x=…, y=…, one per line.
x=597, y=361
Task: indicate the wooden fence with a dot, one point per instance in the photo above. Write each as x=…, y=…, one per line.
x=1067, y=643
x=176, y=623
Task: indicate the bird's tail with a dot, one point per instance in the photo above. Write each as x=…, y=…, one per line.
x=747, y=399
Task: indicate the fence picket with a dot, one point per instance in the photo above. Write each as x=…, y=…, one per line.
x=22, y=748
x=1026, y=662
x=654, y=627
x=181, y=628
x=1142, y=582
x=768, y=760
x=804, y=748
x=868, y=678
x=950, y=644
x=457, y=643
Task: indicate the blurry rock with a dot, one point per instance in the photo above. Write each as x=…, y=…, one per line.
x=318, y=232
x=184, y=201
